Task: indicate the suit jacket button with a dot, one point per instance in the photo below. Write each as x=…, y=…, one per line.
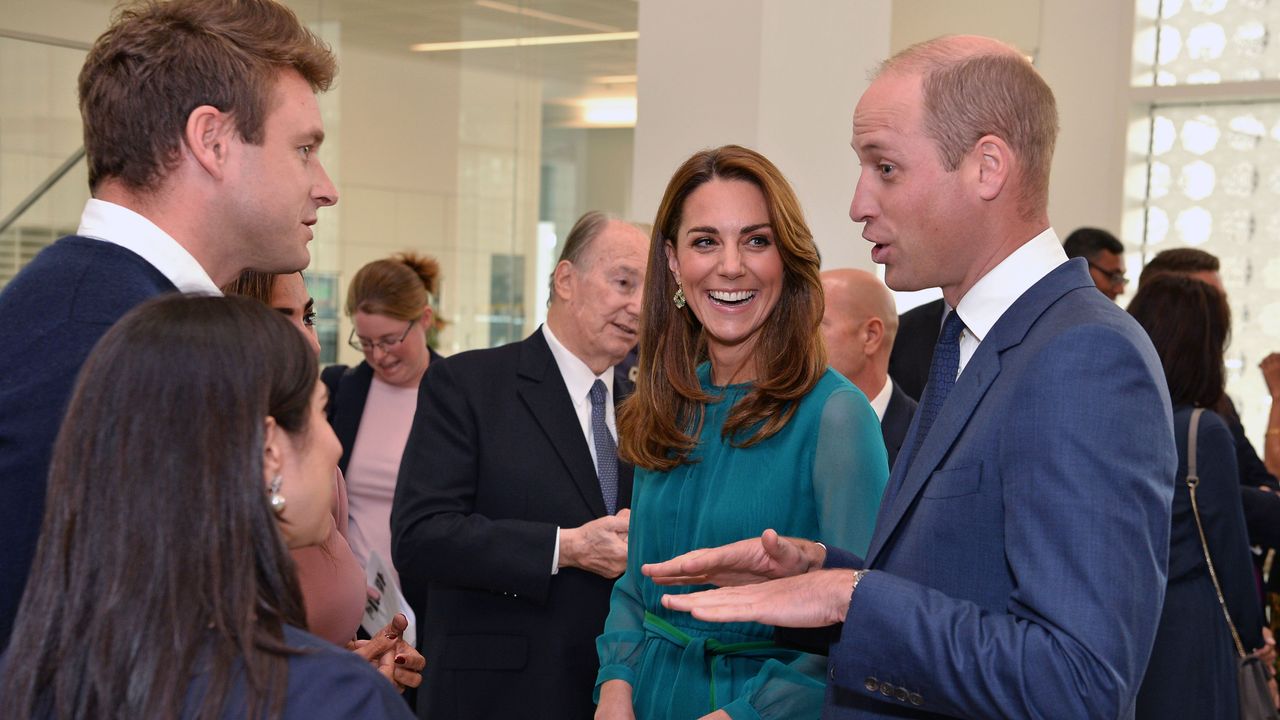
x=870, y=684
x=886, y=689
x=916, y=699
x=901, y=694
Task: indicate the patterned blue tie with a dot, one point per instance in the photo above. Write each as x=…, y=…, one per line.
x=606, y=450
x=942, y=377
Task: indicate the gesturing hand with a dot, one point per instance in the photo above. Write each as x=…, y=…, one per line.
x=745, y=562
x=599, y=546
x=815, y=599
x=391, y=655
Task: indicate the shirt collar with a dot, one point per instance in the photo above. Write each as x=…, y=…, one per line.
x=880, y=403
x=578, y=378
x=1000, y=288
x=118, y=225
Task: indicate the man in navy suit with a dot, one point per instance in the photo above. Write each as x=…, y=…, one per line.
x=1018, y=564
x=859, y=324
x=201, y=126
x=510, y=518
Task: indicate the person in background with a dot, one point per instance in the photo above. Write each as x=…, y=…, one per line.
x=509, y=523
x=737, y=425
x=208, y=167
x=330, y=577
x=162, y=584
x=913, y=348
x=1192, y=671
x=1105, y=255
x=859, y=324
x=372, y=404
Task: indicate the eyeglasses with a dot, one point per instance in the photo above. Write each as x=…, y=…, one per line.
x=1115, y=276
x=367, y=346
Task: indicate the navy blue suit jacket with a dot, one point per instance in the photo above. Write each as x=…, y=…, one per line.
x=1023, y=553
x=51, y=315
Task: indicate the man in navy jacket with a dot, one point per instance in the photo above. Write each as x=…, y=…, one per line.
x=1018, y=564
x=201, y=126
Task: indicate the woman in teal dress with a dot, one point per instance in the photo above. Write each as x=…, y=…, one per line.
x=737, y=425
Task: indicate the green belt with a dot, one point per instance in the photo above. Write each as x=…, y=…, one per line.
x=711, y=648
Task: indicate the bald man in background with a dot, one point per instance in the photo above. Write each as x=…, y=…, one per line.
x=859, y=325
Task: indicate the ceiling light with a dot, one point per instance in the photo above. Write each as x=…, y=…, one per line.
x=524, y=41
x=550, y=17
x=609, y=112
x=614, y=79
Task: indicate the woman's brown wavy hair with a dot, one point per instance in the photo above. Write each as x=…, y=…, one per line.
x=659, y=424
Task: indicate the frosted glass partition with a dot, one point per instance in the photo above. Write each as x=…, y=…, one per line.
x=1179, y=42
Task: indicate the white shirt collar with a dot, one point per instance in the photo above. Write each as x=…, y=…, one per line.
x=118, y=225
x=880, y=403
x=995, y=292
x=578, y=378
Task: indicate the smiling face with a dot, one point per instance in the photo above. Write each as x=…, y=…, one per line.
x=276, y=188
x=726, y=257
x=915, y=211
x=404, y=362
x=305, y=462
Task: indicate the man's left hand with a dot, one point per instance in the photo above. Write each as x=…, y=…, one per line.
x=814, y=599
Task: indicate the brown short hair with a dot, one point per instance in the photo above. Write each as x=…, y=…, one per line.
x=1179, y=261
x=160, y=60
x=968, y=95
x=659, y=424
x=399, y=287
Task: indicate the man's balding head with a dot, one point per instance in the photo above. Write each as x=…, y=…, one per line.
x=859, y=324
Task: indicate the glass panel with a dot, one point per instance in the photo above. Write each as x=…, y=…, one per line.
x=1210, y=176
x=1178, y=42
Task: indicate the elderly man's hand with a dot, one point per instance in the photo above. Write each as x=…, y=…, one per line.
x=391, y=655
x=815, y=599
x=599, y=546
x=745, y=562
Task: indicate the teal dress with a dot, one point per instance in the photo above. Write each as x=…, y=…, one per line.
x=820, y=477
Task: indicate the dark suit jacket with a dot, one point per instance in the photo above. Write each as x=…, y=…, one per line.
x=896, y=420
x=348, y=390
x=912, y=352
x=495, y=462
x=51, y=315
x=1019, y=559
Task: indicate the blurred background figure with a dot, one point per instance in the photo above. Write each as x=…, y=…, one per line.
x=372, y=404
x=1105, y=255
x=1192, y=671
x=737, y=425
x=196, y=609
x=859, y=324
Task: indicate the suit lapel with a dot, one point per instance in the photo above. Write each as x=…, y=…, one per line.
x=981, y=371
x=543, y=392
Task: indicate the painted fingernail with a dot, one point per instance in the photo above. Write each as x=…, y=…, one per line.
x=399, y=659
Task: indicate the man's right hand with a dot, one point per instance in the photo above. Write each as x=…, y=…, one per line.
x=615, y=701
x=745, y=562
x=599, y=547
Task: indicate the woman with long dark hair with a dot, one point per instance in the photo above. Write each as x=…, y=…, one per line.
x=193, y=456
x=1192, y=672
x=737, y=425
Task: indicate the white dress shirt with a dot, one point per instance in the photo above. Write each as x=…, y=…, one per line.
x=880, y=403
x=995, y=292
x=578, y=379
x=118, y=225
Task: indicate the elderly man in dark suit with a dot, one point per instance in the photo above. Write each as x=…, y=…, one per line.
x=1018, y=563
x=859, y=325
x=510, y=511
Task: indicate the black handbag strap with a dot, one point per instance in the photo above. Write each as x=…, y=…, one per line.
x=1193, y=479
